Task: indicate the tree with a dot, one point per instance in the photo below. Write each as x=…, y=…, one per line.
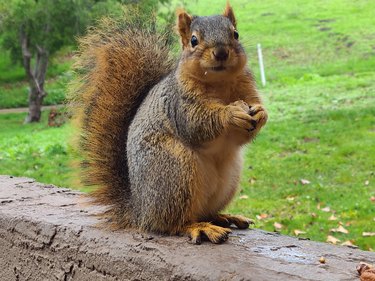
x=33, y=30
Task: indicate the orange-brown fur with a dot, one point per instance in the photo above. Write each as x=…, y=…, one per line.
x=220, y=160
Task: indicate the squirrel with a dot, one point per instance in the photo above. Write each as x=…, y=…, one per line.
x=161, y=139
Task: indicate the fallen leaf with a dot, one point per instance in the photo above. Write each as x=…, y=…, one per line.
x=262, y=216
x=290, y=198
x=278, y=226
x=368, y=234
x=244, y=197
x=326, y=209
x=313, y=215
x=347, y=243
x=367, y=182
x=332, y=218
x=340, y=229
x=298, y=232
x=318, y=206
x=333, y=240
x=252, y=180
x=322, y=260
x=304, y=181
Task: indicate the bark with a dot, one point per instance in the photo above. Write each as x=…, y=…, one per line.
x=35, y=78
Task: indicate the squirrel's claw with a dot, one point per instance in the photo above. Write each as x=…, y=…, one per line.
x=239, y=221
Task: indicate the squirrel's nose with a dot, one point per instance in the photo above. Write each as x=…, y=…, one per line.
x=220, y=54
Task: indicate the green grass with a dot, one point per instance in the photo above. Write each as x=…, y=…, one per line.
x=322, y=131
x=9, y=71
x=35, y=150
x=299, y=36
x=320, y=65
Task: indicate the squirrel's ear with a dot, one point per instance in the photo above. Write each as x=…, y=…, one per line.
x=228, y=12
x=183, y=26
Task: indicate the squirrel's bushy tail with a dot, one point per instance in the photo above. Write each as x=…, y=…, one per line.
x=117, y=65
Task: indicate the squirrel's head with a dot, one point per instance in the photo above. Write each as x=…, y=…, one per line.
x=211, y=47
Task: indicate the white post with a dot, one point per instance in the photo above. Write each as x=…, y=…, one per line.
x=261, y=66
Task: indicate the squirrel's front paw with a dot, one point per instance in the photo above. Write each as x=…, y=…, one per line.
x=259, y=114
x=238, y=116
x=242, y=104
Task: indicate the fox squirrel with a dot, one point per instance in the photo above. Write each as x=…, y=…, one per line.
x=162, y=141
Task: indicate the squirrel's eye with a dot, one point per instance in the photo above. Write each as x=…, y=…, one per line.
x=236, y=35
x=194, y=41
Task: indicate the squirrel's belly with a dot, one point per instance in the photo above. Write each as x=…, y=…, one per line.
x=219, y=174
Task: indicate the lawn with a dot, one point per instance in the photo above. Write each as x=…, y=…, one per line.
x=301, y=37
x=314, y=161
x=36, y=150
x=312, y=168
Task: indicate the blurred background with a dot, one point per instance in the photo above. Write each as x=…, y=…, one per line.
x=311, y=171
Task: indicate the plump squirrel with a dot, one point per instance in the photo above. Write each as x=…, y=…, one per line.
x=162, y=140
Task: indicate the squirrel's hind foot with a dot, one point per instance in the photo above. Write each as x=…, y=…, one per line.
x=206, y=231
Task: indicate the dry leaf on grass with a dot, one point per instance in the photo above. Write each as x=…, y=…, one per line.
x=333, y=240
x=347, y=243
x=262, y=216
x=326, y=209
x=340, y=229
x=278, y=226
x=332, y=218
x=368, y=234
x=298, y=232
x=367, y=182
x=244, y=197
x=304, y=181
x=252, y=180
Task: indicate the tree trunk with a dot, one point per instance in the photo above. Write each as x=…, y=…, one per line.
x=35, y=78
x=35, y=106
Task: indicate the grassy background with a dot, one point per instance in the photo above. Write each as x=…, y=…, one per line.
x=14, y=87
x=320, y=66
x=35, y=150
